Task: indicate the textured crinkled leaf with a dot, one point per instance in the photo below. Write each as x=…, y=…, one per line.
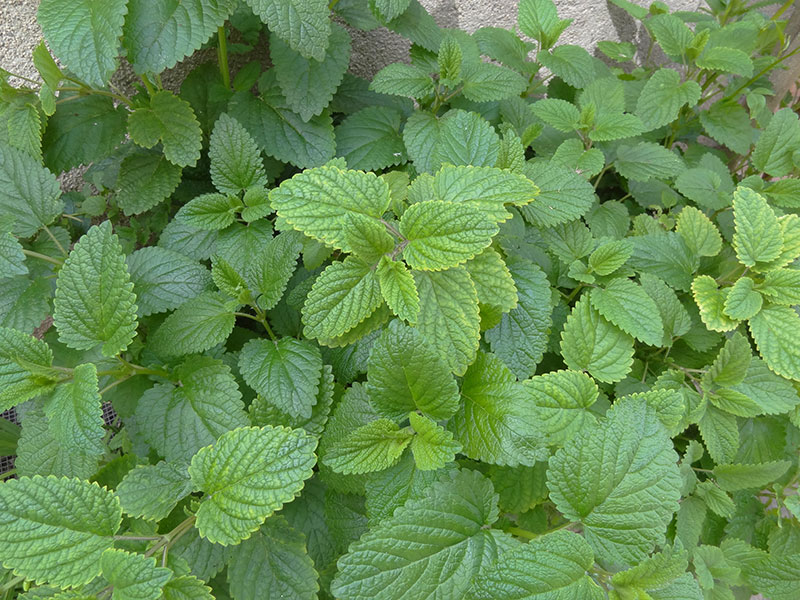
x=308, y=84
x=775, y=331
x=179, y=420
x=370, y=139
x=421, y=138
x=239, y=244
x=235, y=159
x=498, y=423
x=672, y=34
x=720, y=434
x=12, y=259
x=571, y=63
x=758, y=236
x=186, y=587
x=663, y=96
x=615, y=126
x=209, y=211
x=393, y=487
x=286, y=372
x=777, y=143
x=204, y=558
x=94, y=301
x=620, y=479
x=777, y=576
x=673, y=314
x=443, y=234
x=732, y=362
x=159, y=34
x=727, y=60
x=573, y=155
x=647, y=160
x=317, y=201
x=55, y=530
x=448, y=316
x=152, y=491
x=84, y=35
x=487, y=82
x=548, y=567
x=342, y=296
x=273, y=267
x=734, y=477
x=729, y=124
x=628, y=306
x=283, y=134
x=38, y=452
x=589, y=342
x=170, y=120
x=782, y=286
x=398, y=289
x=248, y=474
x=372, y=447
x=520, y=339
x=145, y=180
x=86, y=129
x=429, y=546
x=164, y=279
x=492, y=279
x=743, y=300
x=790, y=250
x=704, y=187
x=405, y=374
x=273, y=563
x=466, y=138
x=75, y=414
x=24, y=362
x=197, y=325
x=557, y=113
x=665, y=255
x=654, y=572
x=399, y=79
x=560, y=400
x=134, y=577
x=432, y=446
x=29, y=193
x=304, y=24
x=711, y=302
x=610, y=256
x=563, y=195
x=699, y=233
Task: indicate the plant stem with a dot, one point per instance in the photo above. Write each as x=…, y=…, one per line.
x=55, y=241
x=150, y=89
x=766, y=69
x=167, y=540
x=44, y=257
x=222, y=57
x=86, y=90
x=393, y=231
x=140, y=370
x=9, y=473
x=12, y=584
x=114, y=384
x=137, y=538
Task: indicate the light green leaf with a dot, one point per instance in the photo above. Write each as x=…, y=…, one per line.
x=84, y=35
x=704, y=187
x=558, y=113
x=673, y=314
x=654, y=572
x=732, y=362
x=179, y=420
x=720, y=434
x=342, y=296
x=38, y=452
x=186, y=587
x=520, y=339
x=164, y=279
x=170, y=120
x=209, y=212
x=618, y=51
x=430, y=546
x=563, y=195
x=442, y=234
x=75, y=414
x=159, y=34
x=59, y=547
x=287, y=372
x=615, y=126
x=573, y=155
x=421, y=136
x=790, y=249
x=647, y=160
x=758, y=236
x=560, y=400
x=235, y=159
x=317, y=201
x=248, y=474
x=663, y=96
x=274, y=265
x=389, y=9
x=145, y=180
x=398, y=289
x=24, y=365
x=777, y=144
x=743, y=301
x=671, y=33
x=620, y=479
x=24, y=304
x=197, y=325
x=610, y=256
x=539, y=20
x=94, y=301
x=589, y=342
x=777, y=576
x=283, y=134
x=711, y=302
x=492, y=279
x=304, y=24
x=152, y=491
x=273, y=563
x=729, y=124
x=551, y=566
x=406, y=374
x=498, y=423
x=734, y=477
x=432, y=446
x=370, y=139
x=628, y=306
x=571, y=63
x=399, y=79
x=466, y=138
x=372, y=447
x=699, y=233
x=448, y=316
x=29, y=193
x=775, y=329
x=308, y=84
x=782, y=286
x=134, y=577
x=487, y=82
x=727, y=60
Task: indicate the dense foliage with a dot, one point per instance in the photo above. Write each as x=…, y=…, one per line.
x=510, y=321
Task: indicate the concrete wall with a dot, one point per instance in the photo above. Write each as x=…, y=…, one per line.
x=593, y=20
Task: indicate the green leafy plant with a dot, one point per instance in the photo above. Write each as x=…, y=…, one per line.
x=507, y=321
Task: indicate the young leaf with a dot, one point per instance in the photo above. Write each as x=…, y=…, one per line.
x=372, y=447
x=564, y=195
x=571, y=63
x=699, y=233
x=778, y=142
x=398, y=289
x=209, y=211
x=758, y=236
x=235, y=160
x=743, y=301
x=782, y=286
x=487, y=82
x=557, y=113
x=432, y=446
x=94, y=301
x=133, y=576
x=152, y=491
x=730, y=365
x=711, y=302
x=610, y=256
x=63, y=547
x=628, y=306
x=248, y=474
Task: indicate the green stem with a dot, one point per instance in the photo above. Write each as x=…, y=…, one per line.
x=86, y=90
x=140, y=370
x=222, y=57
x=782, y=9
x=137, y=538
x=574, y=293
x=12, y=584
x=114, y=384
x=166, y=541
x=55, y=240
x=766, y=69
x=150, y=89
x=9, y=473
x=44, y=257
x=392, y=230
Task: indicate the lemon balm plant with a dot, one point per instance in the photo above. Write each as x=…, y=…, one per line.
x=508, y=321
